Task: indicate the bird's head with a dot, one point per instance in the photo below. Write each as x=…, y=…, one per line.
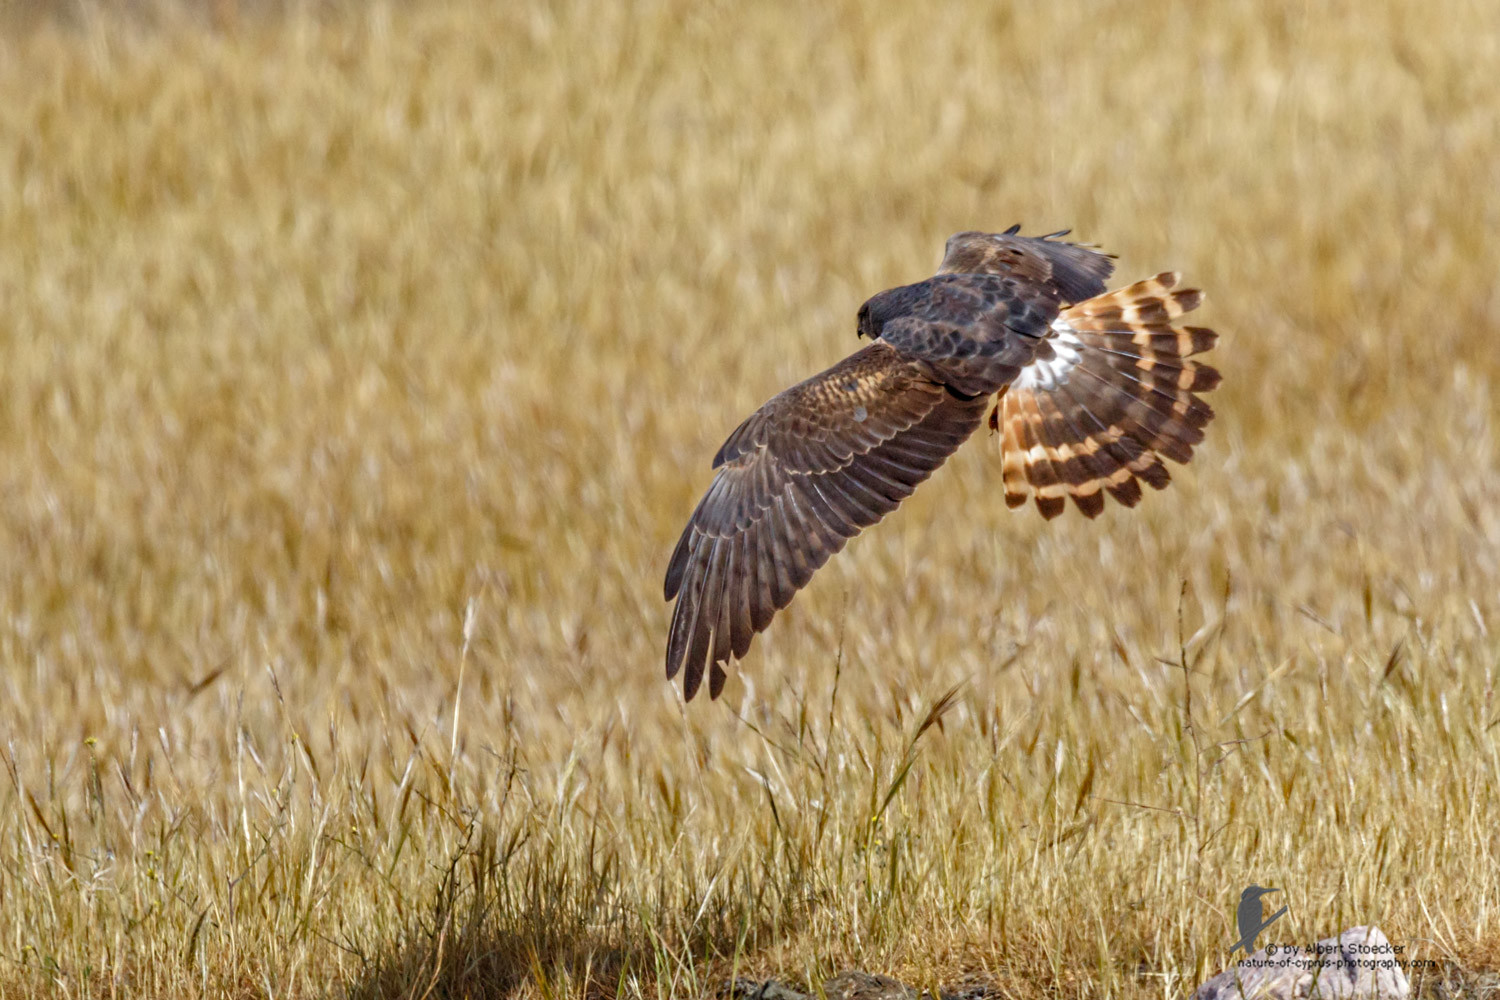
x=882, y=308
x=1255, y=892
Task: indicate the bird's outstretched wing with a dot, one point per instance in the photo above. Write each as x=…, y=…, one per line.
x=1075, y=270
x=806, y=472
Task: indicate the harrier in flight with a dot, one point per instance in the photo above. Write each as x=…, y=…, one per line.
x=1093, y=389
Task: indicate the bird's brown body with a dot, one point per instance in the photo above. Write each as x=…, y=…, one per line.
x=1094, y=388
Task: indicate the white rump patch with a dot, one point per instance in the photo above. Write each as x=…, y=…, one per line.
x=1045, y=374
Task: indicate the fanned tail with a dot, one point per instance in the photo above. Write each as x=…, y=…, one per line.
x=1111, y=393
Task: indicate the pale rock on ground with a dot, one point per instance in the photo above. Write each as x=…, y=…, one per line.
x=852, y=985
x=866, y=986
x=1359, y=964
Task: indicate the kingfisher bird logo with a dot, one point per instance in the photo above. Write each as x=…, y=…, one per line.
x=1247, y=916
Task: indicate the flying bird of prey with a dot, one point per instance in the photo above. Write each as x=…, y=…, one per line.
x=1093, y=389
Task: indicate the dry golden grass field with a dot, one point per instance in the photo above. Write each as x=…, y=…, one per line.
x=359, y=368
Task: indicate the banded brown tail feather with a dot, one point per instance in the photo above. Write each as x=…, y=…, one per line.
x=1112, y=392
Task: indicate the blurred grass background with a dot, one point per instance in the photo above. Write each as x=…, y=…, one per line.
x=352, y=353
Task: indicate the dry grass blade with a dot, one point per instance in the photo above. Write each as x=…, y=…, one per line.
x=934, y=717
